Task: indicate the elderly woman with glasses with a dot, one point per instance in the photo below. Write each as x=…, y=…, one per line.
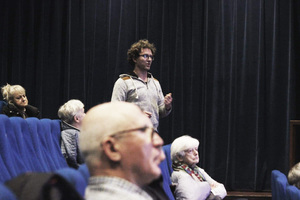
x=190, y=181
x=71, y=115
x=17, y=102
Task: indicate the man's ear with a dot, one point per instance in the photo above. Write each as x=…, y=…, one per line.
x=134, y=60
x=111, y=149
x=75, y=118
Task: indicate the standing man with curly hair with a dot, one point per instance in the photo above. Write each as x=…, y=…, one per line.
x=140, y=87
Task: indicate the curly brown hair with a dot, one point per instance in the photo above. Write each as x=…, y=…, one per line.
x=135, y=49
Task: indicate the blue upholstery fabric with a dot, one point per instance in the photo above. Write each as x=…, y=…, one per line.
x=29, y=145
x=83, y=169
x=292, y=192
x=279, y=184
x=6, y=193
x=167, y=150
x=39, y=143
x=2, y=103
x=24, y=142
x=75, y=178
x=166, y=170
x=33, y=145
x=7, y=152
x=52, y=136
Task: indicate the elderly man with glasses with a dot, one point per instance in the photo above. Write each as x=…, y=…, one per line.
x=122, y=151
x=140, y=87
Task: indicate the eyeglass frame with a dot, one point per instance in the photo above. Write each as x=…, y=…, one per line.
x=147, y=56
x=142, y=129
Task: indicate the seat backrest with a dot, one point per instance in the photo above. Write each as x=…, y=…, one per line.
x=166, y=170
x=74, y=177
x=83, y=169
x=6, y=193
x=167, y=150
x=7, y=152
x=51, y=134
x=29, y=145
x=292, y=192
x=278, y=185
x=2, y=103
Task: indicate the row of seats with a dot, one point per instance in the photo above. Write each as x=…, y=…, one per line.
x=33, y=145
x=29, y=145
x=281, y=190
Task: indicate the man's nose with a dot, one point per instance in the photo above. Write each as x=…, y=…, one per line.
x=157, y=140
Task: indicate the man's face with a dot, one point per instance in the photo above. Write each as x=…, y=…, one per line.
x=191, y=157
x=142, y=154
x=79, y=116
x=143, y=63
x=20, y=100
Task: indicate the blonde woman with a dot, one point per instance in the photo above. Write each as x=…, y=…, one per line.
x=15, y=96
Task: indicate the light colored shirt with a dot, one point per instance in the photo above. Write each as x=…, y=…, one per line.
x=114, y=188
x=147, y=95
x=189, y=188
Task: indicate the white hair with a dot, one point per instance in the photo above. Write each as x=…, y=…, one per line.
x=294, y=175
x=180, y=144
x=67, y=111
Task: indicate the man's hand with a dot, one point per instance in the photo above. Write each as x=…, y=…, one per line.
x=168, y=101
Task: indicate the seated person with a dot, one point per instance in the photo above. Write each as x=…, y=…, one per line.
x=190, y=181
x=17, y=102
x=71, y=115
x=122, y=152
x=294, y=175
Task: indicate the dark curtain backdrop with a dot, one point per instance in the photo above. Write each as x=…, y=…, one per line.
x=231, y=65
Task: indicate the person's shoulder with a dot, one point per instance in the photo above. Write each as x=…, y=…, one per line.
x=32, y=111
x=126, y=76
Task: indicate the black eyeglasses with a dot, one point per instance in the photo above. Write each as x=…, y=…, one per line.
x=142, y=129
x=147, y=56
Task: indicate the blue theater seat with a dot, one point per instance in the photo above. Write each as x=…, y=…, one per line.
x=83, y=169
x=292, y=192
x=279, y=184
x=2, y=103
x=5, y=193
x=75, y=178
x=33, y=145
x=7, y=151
x=166, y=170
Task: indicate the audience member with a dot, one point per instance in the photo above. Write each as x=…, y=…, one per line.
x=140, y=87
x=17, y=102
x=190, y=181
x=71, y=115
x=294, y=175
x=122, y=152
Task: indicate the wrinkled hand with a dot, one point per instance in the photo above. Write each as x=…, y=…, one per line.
x=168, y=101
